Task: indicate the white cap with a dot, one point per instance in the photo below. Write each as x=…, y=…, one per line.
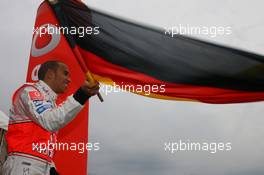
x=3, y=120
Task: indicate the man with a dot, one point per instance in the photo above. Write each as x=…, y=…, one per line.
x=35, y=119
x=3, y=121
x=3, y=128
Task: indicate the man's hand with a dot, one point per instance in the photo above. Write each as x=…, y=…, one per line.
x=90, y=89
x=86, y=91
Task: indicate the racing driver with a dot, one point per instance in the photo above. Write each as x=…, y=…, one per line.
x=35, y=118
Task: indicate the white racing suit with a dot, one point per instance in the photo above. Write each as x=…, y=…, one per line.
x=34, y=119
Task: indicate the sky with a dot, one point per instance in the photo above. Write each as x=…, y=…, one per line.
x=132, y=129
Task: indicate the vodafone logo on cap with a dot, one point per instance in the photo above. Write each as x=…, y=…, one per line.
x=45, y=39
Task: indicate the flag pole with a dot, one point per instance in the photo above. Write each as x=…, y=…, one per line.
x=88, y=74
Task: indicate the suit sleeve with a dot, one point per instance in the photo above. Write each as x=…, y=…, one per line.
x=45, y=113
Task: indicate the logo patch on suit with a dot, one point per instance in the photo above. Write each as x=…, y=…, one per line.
x=37, y=102
x=35, y=95
x=43, y=108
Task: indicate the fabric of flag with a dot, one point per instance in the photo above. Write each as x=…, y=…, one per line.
x=120, y=52
x=71, y=159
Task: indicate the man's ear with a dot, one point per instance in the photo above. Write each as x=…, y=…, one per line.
x=50, y=74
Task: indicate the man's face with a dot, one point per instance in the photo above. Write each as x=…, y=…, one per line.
x=61, y=79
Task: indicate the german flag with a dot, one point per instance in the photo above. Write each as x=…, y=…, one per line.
x=125, y=53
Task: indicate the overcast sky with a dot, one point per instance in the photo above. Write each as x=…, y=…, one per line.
x=132, y=129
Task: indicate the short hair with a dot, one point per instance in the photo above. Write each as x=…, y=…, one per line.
x=53, y=65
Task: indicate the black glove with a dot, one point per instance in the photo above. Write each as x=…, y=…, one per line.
x=53, y=171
